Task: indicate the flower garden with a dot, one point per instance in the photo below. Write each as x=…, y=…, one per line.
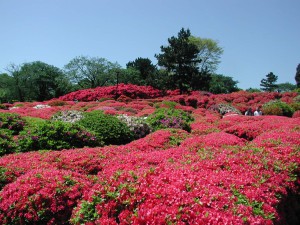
x=204, y=162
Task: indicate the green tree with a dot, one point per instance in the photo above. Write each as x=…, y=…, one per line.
x=42, y=81
x=222, y=84
x=297, y=76
x=91, y=72
x=180, y=59
x=269, y=83
x=209, y=53
x=18, y=84
x=145, y=67
x=7, y=93
x=286, y=87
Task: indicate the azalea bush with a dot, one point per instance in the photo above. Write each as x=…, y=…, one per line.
x=7, y=144
x=108, y=128
x=170, y=118
x=137, y=125
x=11, y=122
x=278, y=108
x=42, y=197
x=229, y=169
x=55, y=136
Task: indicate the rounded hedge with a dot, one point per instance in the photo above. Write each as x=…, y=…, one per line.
x=56, y=135
x=107, y=127
x=170, y=118
x=279, y=108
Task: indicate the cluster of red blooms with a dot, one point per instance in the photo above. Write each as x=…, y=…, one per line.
x=231, y=170
x=128, y=90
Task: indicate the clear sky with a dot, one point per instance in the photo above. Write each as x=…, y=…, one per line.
x=258, y=36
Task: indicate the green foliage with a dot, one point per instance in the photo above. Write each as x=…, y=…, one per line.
x=252, y=90
x=7, y=144
x=137, y=125
x=55, y=136
x=91, y=72
x=170, y=118
x=209, y=52
x=269, y=83
x=109, y=128
x=11, y=122
x=224, y=108
x=145, y=69
x=2, y=106
x=286, y=87
x=279, y=108
x=222, y=84
x=180, y=58
x=297, y=76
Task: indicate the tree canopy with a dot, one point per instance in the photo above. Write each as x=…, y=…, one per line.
x=297, y=76
x=91, y=72
x=269, y=83
x=180, y=59
x=209, y=53
x=222, y=84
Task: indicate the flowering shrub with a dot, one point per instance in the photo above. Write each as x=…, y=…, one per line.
x=227, y=170
x=296, y=114
x=125, y=90
x=107, y=127
x=137, y=125
x=57, y=103
x=11, y=122
x=42, y=197
x=56, y=135
x=278, y=108
x=224, y=109
x=7, y=144
x=170, y=118
x=70, y=116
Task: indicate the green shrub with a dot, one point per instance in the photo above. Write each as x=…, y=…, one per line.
x=12, y=122
x=224, y=108
x=7, y=144
x=2, y=106
x=137, y=125
x=279, y=108
x=70, y=116
x=55, y=136
x=170, y=118
x=109, y=128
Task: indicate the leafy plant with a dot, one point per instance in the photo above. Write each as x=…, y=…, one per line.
x=7, y=144
x=279, y=108
x=137, y=125
x=55, y=136
x=170, y=118
x=12, y=122
x=107, y=127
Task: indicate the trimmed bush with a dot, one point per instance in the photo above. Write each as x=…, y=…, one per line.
x=12, y=122
x=277, y=108
x=137, y=125
x=56, y=136
x=224, y=109
x=42, y=197
x=7, y=144
x=170, y=118
x=70, y=116
x=107, y=127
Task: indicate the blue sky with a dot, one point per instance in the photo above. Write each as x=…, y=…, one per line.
x=258, y=36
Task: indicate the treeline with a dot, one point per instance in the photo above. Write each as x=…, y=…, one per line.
x=186, y=63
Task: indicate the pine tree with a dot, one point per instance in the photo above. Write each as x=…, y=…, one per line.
x=297, y=77
x=269, y=84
